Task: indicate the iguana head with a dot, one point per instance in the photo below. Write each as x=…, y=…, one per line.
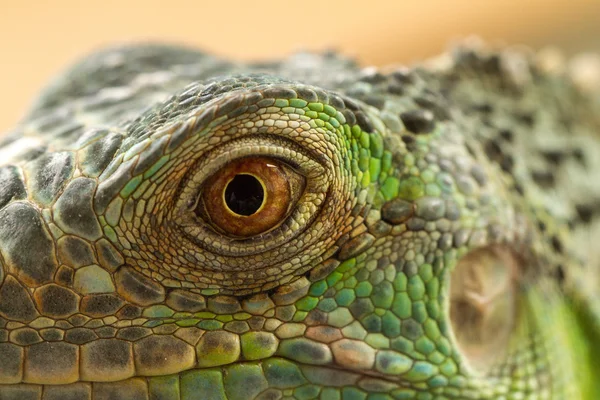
x=268, y=232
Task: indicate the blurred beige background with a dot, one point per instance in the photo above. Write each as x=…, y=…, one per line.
x=38, y=39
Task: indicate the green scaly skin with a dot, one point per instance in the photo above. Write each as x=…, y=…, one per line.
x=439, y=249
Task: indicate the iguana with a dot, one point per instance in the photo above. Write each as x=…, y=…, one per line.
x=177, y=226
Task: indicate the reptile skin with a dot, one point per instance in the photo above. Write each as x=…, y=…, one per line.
x=423, y=233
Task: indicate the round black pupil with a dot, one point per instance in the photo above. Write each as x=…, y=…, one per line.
x=244, y=194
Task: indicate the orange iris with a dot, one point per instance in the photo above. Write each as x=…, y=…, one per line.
x=249, y=196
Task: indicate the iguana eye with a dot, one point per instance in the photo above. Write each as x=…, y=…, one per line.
x=250, y=196
x=484, y=304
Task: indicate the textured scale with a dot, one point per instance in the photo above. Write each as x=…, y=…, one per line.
x=111, y=289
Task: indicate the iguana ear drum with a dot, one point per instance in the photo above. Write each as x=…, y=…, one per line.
x=250, y=195
x=483, y=304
